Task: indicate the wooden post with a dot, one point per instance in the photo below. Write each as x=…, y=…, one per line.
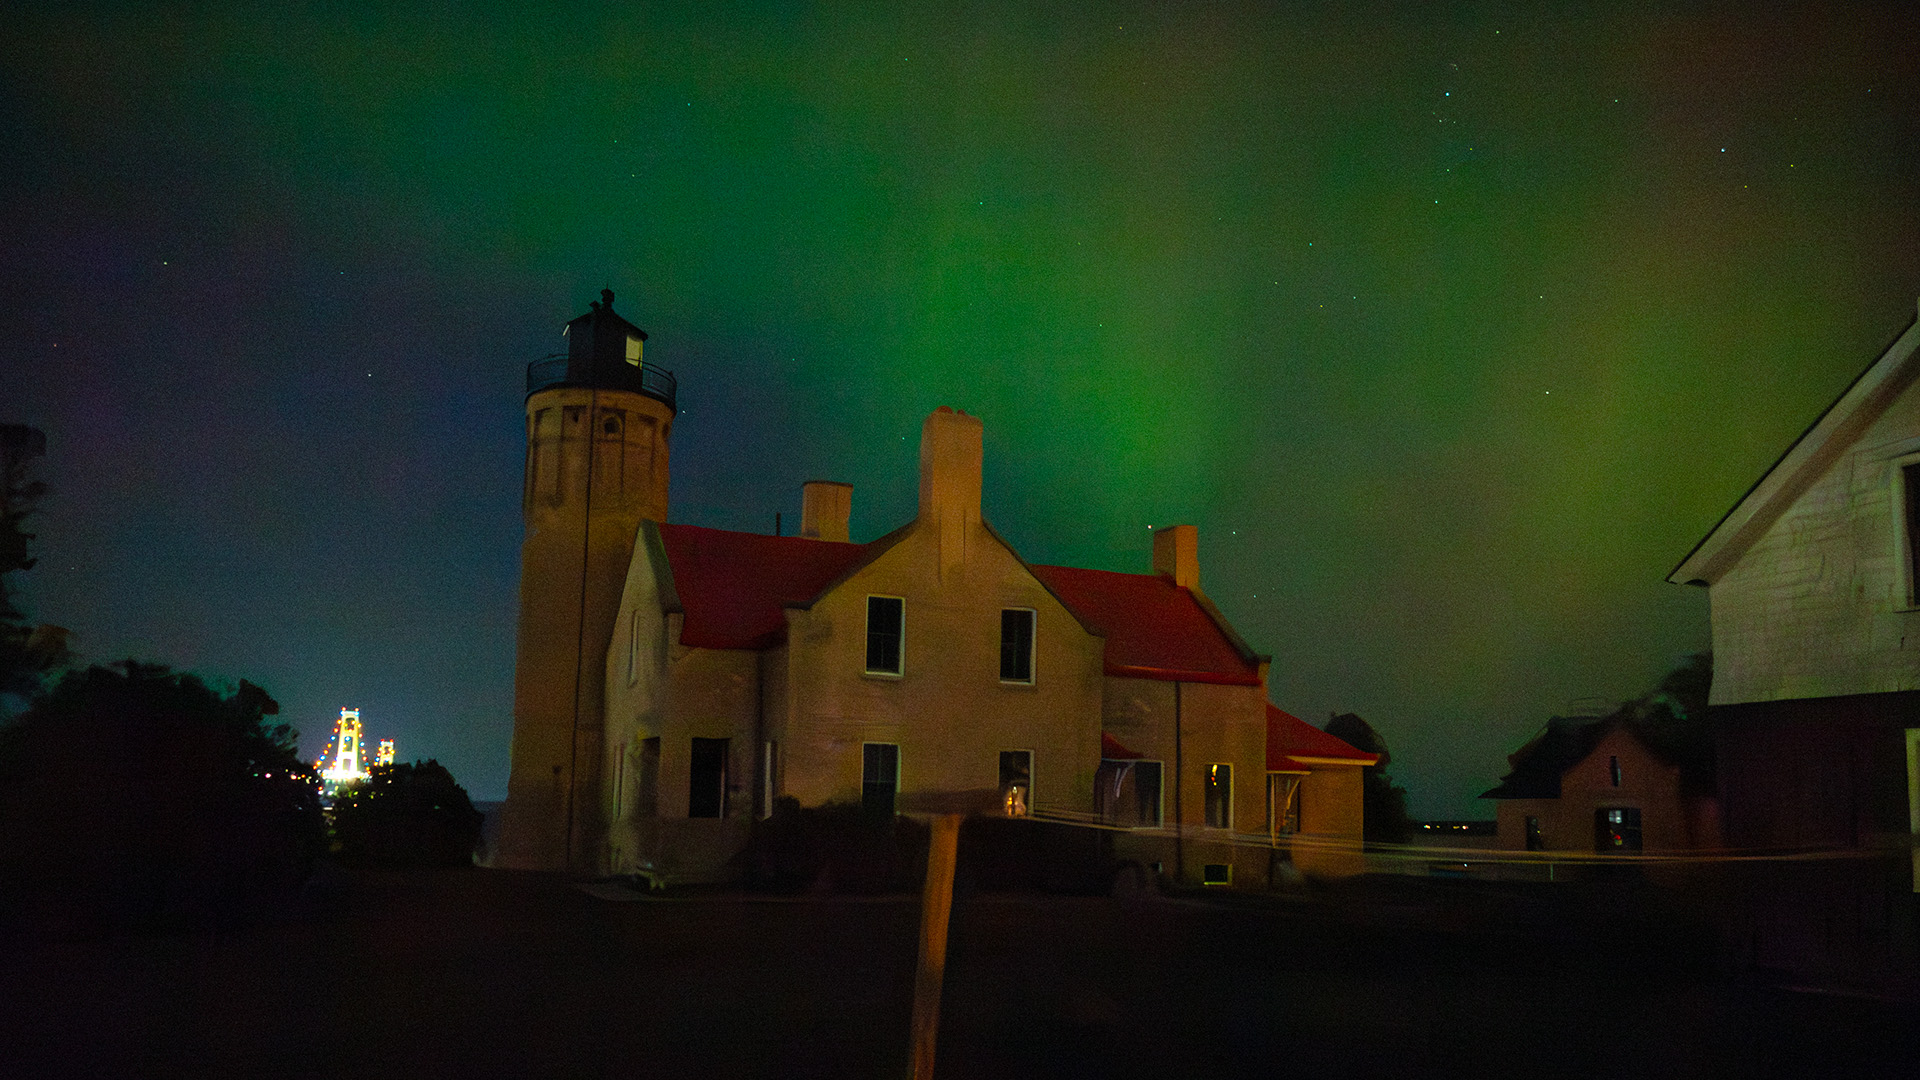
x=936, y=903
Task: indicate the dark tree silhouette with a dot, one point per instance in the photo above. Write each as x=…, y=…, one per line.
x=1384, y=802
x=139, y=797
x=25, y=653
x=406, y=815
x=1673, y=718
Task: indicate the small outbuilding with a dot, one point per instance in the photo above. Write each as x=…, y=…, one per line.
x=1601, y=786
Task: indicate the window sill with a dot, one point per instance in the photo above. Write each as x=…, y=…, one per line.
x=884, y=676
x=1017, y=684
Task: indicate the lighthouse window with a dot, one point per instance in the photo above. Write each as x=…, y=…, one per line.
x=633, y=350
x=611, y=425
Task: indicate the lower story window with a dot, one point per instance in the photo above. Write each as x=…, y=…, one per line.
x=1535, y=840
x=1616, y=829
x=1128, y=793
x=879, y=778
x=1016, y=782
x=1219, y=785
x=1283, y=803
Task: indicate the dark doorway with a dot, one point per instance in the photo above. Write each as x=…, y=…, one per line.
x=707, y=795
x=649, y=795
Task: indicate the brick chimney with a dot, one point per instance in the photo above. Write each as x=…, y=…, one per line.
x=824, y=507
x=1176, y=554
x=950, y=451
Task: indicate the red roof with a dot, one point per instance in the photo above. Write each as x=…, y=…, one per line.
x=1154, y=628
x=1290, y=738
x=733, y=585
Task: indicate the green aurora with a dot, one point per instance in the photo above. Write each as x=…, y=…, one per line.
x=1452, y=326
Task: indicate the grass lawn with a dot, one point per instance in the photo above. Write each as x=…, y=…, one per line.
x=482, y=973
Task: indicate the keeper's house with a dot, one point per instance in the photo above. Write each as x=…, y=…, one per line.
x=673, y=681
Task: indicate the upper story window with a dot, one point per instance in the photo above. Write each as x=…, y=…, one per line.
x=1910, y=517
x=1016, y=645
x=886, y=635
x=633, y=647
x=633, y=350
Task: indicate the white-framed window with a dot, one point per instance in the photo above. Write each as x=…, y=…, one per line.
x=1913, y=799
x=1128, y=792
x=1906, y=531
x=1283, y=803
x=769, y=776
x=1218, y=782
x=1016, y=645
x=886, y=635
x=633, y=646
x=1016, y=782
x=879, y=778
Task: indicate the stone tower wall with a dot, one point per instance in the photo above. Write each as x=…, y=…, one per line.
x=580, y=527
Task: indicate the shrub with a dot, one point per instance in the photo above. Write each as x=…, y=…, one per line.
x=406, y=815
x=838, y=847
x=136, y=797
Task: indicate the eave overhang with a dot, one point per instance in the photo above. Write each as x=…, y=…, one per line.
x=1804, y=462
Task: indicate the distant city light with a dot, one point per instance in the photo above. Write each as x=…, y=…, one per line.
x=346, y=750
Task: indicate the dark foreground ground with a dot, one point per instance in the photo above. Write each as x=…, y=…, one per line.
x=495, y=974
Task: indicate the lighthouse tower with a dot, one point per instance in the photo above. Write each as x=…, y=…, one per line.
x=598, y=422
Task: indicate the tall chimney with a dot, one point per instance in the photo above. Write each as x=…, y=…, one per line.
x=950, y=451
x=1176, y=554
x=824, y=508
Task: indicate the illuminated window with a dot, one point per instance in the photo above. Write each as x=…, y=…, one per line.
x=633, y=350
x=879, y=778
x=1016, y=782
x=1616, y=829
x=1128, y=793
x=1220, y=796
x=886, y=631
x=1283, y=803
x=1016, y=645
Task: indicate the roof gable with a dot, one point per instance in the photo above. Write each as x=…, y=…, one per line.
x=1804, y=462
x=1293, y=745
x=732, y=586
x=1154, y=628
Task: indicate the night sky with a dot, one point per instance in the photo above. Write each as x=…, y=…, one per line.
x=1452, y=326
